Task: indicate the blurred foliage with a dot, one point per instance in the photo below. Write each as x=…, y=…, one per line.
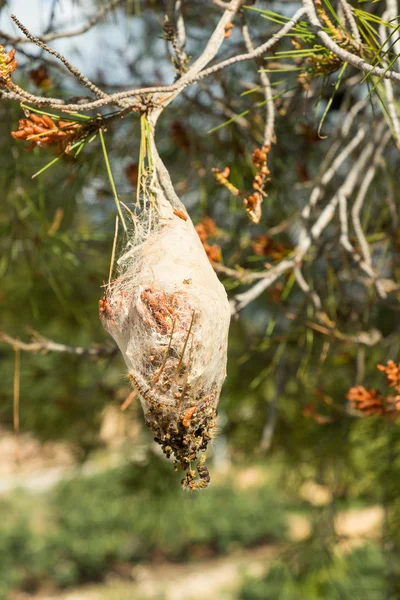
x=89, y=527
x=358, y=575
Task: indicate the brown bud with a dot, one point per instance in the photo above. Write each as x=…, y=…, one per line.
x=49, y=122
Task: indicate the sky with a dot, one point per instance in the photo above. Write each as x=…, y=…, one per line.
x=90, y=52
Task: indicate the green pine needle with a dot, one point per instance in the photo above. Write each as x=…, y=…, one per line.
x=111, y=179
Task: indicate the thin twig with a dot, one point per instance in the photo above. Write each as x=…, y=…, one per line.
x=74, y=70
x=186, y=343
x=266, y=84
x=210, y=51
x=358, y=203
x=160, y=372
x=327, y=177
x=312, y=294
x=307, y=238
x=390, y=100
x=393, y=17
x=198, y=72
x=128, y=400
x=343, y=194
x=348, y=12
x=344, y=55
x=180, y=27
x=192, y=76
x=221, y=4
x=42, y=344
x=17, y=380
x=272, y=411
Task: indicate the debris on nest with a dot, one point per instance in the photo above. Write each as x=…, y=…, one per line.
x=169, y=314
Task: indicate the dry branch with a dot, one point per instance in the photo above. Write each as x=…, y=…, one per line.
x=42, y=344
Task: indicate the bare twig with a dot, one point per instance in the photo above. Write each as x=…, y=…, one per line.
x=221, y=4
x=272, y=411
x=358, y=203
x=328, y=176
x=266, y=84
x=179, y=59
x=351, y=115
x=390, y=100
x=21, y=96
x=239, y=301
x=198, y=70
x=341, y=53
x=17, y=384
x=342, y=133
x=391, y=202
x=343, y=193
x=192, y=76
x=74, y=70
x=312, y=294
x=391, y=108
x=217, y=102
x=210, y=51
x=306, y=237
x=42, y=344
x=348, y=12
x=180, y=25
x=259, y=51
x=393, y=17
x=17, y=379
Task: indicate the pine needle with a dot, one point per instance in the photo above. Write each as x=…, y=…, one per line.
x=113, y=251
x=48, y=165
x=111, y=179
x=17, y=379
x=329, y=103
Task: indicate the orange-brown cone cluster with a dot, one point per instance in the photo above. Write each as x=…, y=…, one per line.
x=205, y=229
x=370, y=401
x=392, y=374
x=265, y=245
x=373, y=402
x=252, y=203
x=8, y=64
x=43, y=131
